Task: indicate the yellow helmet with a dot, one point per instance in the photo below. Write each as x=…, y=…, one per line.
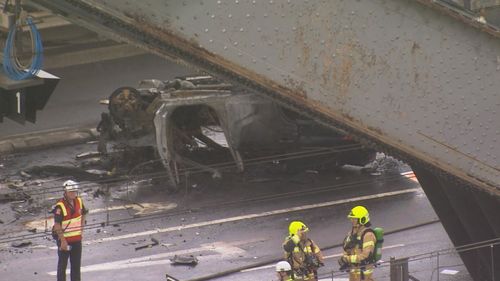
x=360, y=213
x=295, y=226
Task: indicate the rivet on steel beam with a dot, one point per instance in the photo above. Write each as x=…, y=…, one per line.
x=223, y=30
x=265, y=15
x=206, y=29
x=219, y=2
x=211, y=40
x=235, y=43
x=259, y=29
x=271, y=1
x=225, y=47
x=254, y=60
x=230, y=16
x=242, y=29
x=247, y=15
x=253, y=2
x=236, y=1
x=212, y=16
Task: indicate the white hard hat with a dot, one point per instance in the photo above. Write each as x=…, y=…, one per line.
x=70, y=185
x=283, y=266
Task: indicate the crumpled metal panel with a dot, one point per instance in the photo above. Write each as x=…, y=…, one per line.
x=404, y=73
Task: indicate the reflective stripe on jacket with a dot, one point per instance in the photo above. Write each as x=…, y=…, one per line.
x=72, y=219
x=362, y=251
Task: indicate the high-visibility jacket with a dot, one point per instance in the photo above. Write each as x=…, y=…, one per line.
x=72, y=219
x=298, y=258
x=360, y=255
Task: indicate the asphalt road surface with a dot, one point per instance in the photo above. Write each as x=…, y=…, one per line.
x=238, y=221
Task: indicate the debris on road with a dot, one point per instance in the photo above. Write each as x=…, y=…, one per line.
x=77, y=173
x=22, y=244
x=155, y=243
x=97, y=172
x=25, y=175
x=170, y=278
x=184, y=260
x=312, y=172
x=90, y=154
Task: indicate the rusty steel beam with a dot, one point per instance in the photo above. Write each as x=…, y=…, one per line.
x=396, y=73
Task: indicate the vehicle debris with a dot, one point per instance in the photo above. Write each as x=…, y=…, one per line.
x=89, y=154
x=77, y=173
x=170, y=278
x=22, y=244
x=203, y=122
x=25, y=175
x=184, y=260
x=155, y=243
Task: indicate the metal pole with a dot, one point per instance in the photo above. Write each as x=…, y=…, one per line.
x=437, y=266
x=393, y=269
x=492, y=263
x=44, y=200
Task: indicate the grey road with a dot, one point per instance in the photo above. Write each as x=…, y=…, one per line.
x=234, y=222
x=75, y=102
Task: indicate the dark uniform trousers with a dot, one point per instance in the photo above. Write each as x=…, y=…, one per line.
x=75, y=258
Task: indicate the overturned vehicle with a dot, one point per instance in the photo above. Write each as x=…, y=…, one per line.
x=202, y=123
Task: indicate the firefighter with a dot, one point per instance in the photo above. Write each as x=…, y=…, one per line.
x=359, y=246
x=69, y=214
x=284, y=271
x=302, y=253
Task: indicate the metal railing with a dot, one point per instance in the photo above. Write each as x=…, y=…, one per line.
x=439, y=265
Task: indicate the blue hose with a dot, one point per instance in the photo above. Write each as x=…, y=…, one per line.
x=11, y=66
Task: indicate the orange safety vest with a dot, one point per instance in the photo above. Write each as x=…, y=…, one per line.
x=72, y=221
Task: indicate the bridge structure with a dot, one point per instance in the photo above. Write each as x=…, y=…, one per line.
x=417, y=79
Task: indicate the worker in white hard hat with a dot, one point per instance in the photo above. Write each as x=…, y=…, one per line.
x=69, y=213
x=284, y=271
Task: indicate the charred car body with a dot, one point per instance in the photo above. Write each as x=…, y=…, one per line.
x=203, y=123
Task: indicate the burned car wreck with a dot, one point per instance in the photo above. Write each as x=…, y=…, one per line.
x=203, y=123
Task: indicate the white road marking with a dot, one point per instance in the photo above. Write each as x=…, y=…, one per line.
x=95, y=241
x=147, y=208
x=222, y=250
x=257, y=215
x=449, y=271
x=325, y=257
